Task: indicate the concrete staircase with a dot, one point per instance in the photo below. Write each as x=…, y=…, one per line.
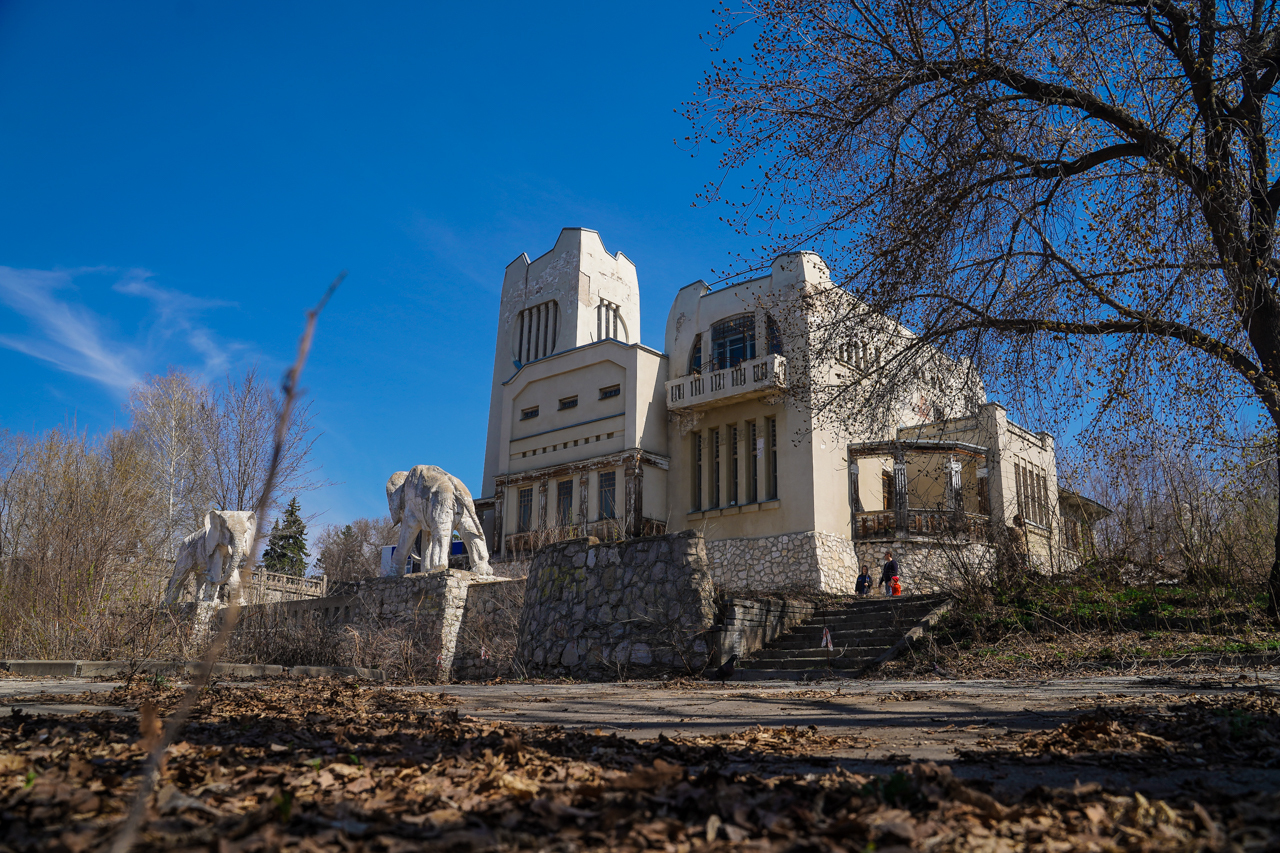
x=862, y=631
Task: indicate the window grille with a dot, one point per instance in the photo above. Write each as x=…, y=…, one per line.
x=715, y=468
x=525, y=414
x=564, y=503
x=569, y=402
x=524, y=516
x=733, y=466
x=773, y=458
x=608, y=495
x=611, y=391
x=695, y=355
x=753, y=464
x=697, y=470
x=733, y=341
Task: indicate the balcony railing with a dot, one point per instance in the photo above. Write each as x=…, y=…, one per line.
x=883, y=524
x=715, y=387
x=608, y=530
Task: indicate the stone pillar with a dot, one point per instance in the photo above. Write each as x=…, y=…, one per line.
x=499, y=500
x=542, y=505
x=900, y=493
x=633, y=504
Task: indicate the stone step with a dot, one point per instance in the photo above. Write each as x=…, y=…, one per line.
x=882, y=606
x=842, y=662
x=782, y=657
x=789, y=674
x=784, y=644
x=814, y=629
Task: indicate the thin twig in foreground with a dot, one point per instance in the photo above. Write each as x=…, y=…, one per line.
x=129, y=830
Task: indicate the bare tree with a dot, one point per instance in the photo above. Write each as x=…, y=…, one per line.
x=238, y=425
x=166, y=413
x=1079, y=196
x=354, y=551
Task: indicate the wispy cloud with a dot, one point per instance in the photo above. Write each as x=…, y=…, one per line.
x=64, y=332
x=67, y=335
x=176, y=315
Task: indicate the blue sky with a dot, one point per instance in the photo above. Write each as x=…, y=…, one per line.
x=182, y=180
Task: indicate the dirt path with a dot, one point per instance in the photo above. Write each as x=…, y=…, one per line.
x=904, y=721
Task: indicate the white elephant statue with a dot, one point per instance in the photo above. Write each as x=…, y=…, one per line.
x=433, y=501
x=216, y=552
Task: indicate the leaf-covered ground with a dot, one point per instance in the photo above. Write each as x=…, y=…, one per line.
x=329, y=765
x=1215, y=732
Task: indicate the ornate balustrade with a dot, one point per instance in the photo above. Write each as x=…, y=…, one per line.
x=608, y=530
x=749, y=379
x=883, y=524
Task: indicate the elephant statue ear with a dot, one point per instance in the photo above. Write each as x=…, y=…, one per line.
x=395, y=495
x=217, y=532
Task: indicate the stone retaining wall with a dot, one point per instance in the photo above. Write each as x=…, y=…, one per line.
x=928, y=565
x=605, y=611
x=803, y=562
x=430, y=606
x=749, y=625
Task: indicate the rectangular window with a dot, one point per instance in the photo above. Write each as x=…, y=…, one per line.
x=772, y=424
x=608, y=495
x=984, y=496
x=697, y=470
x=715, y=468
x=525, y=414
x=886, y=486
x=611, y=391
x=753, y=464
x=1044, y=500
x=733, y=466
x=569, y=402
x=564, y=503
x=524, y=518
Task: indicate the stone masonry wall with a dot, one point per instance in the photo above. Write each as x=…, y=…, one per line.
x=431, y=606
x=928, y=565
x=598, y=611
x=801, y=562
x=489, y=630
x=749, y=625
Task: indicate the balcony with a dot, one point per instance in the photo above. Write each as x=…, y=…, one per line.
x=750, y=379
x=883, y=524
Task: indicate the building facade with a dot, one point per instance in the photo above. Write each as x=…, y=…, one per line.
x=592, y=433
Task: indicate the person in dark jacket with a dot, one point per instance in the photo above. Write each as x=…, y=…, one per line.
x=863, y=586
x=889, y=572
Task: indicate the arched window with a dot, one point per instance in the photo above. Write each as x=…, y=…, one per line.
x=535, y=332
x=609, y=322
x=733, y=341
x=695, y=354
x=773, y=335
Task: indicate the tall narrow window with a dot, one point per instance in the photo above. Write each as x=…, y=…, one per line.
x=715, y=467
x=984, y=494
x=608, y=495
x=697, y=470
x=695, y=355
x=535, y=332
x=754, y=452
x=733, y=466
x=773, y=335
x=564, y=503
x=524, y=518
x=886, y=486
x=773, y=458
x=1020, y=491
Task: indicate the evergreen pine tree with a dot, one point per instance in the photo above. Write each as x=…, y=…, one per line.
x=287, y=545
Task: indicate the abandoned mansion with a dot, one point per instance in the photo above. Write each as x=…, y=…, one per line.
x=591, y=433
